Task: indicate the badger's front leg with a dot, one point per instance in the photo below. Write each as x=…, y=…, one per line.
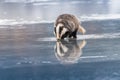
x=73, y=35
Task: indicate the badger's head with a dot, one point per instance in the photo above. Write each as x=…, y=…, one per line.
x=61, y=31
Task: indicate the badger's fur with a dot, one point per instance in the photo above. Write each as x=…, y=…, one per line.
x=67, y=25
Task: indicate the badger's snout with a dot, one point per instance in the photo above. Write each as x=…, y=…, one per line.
x=60, y=31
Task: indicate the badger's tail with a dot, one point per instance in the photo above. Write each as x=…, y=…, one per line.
x=81, y=29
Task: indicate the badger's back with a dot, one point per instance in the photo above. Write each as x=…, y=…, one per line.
x=69, y=21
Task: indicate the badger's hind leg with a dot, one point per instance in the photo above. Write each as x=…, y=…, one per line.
x=73, y=35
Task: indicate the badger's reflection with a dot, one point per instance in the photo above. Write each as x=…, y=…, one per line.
x=69, y=51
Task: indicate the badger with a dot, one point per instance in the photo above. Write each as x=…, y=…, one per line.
x=67, y=26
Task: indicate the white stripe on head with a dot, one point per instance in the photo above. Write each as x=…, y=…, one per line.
x=64, y=31
x=57, y=30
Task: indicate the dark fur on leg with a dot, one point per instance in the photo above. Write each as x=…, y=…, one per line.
x=73, y=35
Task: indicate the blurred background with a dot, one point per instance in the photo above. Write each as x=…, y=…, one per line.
x=46, y=11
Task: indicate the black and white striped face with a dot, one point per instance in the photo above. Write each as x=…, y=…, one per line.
x=60, y=31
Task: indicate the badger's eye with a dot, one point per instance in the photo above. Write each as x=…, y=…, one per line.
x=60, y=30
x=67, y=33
